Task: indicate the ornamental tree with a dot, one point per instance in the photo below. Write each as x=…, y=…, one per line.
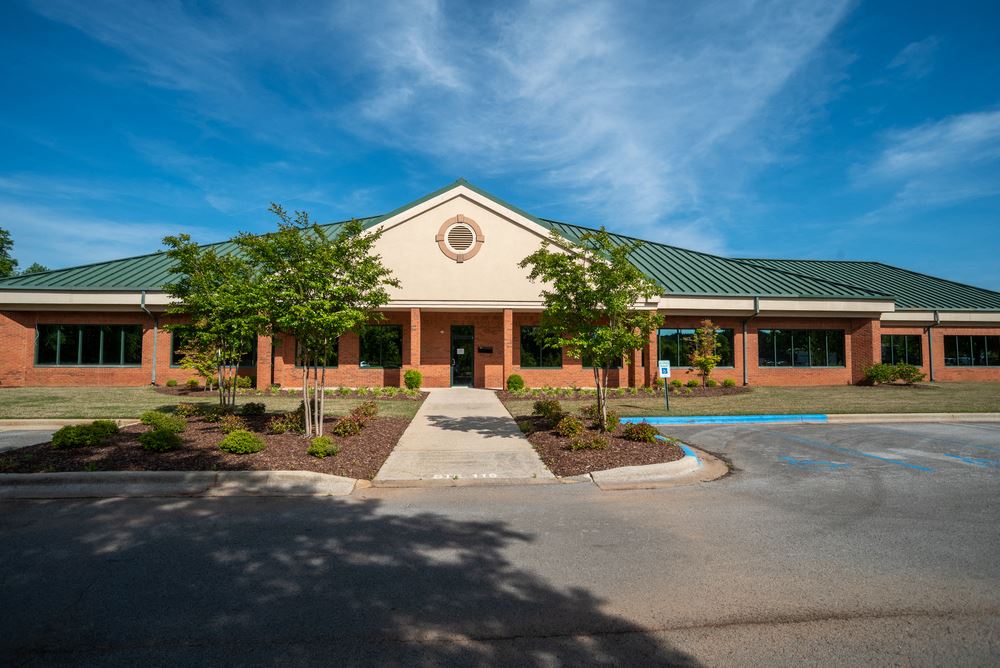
x=592, y=302
x=222, y=316
x=316, y=286
x=704, y=355
x=8, y=265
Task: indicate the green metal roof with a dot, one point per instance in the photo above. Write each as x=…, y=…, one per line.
x=911, y=290
x=678, y=270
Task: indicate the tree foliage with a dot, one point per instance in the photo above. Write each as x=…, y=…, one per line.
x=704, y=354
x=316, y=286
x=8, y=265
x=222, y=312
x=34, y=268
x=592, y=295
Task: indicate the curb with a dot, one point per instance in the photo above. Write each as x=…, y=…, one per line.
x=18, y=424
x=813, y=418
x=695, y=466
x=172, y=483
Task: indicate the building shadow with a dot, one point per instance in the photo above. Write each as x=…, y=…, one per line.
x=286, y=581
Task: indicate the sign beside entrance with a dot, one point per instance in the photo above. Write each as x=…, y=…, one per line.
x=460, y=351
x=664, y=368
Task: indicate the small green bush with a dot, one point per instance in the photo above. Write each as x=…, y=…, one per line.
x=215, y=413
x=365, y=411
x=692, y=383
x=589, y=442
x=711, y=383
x=287, y=422
x=253, y=408
x=230, y=423
x=413, y=379
x=729, y=382
x=172, y=383
x=515, y=383
x=345, y=391
x=76, y=436
x=347, y=426
x=193, y=384
x=909, y=374
x=676, y=382
x=643, y=432
x=164, y=421
x=241, y=442
x=104, y=428
x=550, y=409
x=160, y=440
x=187, y=410
x=323, y=446
x=877, y=374
x=569, y=427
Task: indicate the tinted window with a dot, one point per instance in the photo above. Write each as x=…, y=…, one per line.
x=535, y=354
x=800, y=347
x=89, y=345
x=382, y=346
x=675, y=345
x=972, y=350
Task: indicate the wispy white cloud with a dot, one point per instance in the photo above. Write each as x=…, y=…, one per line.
x=916, y=59
x=632, y=110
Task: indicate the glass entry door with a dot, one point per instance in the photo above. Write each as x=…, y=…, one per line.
x=462, y=355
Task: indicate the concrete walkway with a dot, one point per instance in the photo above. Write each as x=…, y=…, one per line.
x=462, y=436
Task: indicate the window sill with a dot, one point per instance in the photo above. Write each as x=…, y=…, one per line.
x=88, y=366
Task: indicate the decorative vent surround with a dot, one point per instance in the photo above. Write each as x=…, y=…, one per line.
x=460, y=238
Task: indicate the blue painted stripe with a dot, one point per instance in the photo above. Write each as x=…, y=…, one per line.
x=730, y=419
x=850, y=451
x=822, y=463
x=975, y=461
x=688, y=451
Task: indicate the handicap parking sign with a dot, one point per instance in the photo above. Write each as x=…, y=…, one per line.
x=664, y=368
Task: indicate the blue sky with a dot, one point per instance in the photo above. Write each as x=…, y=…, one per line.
x=815, y=130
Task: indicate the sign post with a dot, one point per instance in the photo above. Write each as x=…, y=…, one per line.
x=664, y=366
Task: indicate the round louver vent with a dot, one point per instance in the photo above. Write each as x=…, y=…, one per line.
x=460, y=237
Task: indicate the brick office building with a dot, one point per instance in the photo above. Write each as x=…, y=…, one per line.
x=464, y=314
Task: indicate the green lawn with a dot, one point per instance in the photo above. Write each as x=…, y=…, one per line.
x=937, y=398
x=129, y=402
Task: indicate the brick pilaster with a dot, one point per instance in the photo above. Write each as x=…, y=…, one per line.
x=508, y=344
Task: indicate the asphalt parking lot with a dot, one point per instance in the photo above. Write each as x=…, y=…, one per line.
x=21, y=438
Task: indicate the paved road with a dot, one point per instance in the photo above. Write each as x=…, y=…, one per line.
x=845, y=545
x=12, y=439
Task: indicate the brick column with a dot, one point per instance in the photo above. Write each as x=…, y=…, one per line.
x=649, y=373
x=263, y=361
x=866, y=345
x=635, y=370
x=415, y=338
x=508, y=345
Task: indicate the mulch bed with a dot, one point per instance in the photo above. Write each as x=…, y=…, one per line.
x=682, y=392
x=555, y=453
x=361, y=455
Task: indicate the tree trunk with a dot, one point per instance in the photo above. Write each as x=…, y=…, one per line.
x=322, y=388
x=306, y=417
x=601, y=415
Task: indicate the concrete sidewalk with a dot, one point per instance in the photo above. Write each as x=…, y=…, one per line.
x=462, y=436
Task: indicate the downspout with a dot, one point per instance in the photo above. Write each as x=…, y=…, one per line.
x=930, y=343
x=746, y=367
x=156, y=326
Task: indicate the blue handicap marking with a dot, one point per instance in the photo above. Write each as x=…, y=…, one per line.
x=850, y=451
x=811, y=463
x=981, y=462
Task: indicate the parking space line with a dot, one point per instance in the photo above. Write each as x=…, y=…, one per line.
x=850, y=451
x=810, y=463
x=975, y=461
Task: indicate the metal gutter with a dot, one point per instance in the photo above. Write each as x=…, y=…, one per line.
x=930, y=344
x=156, y=327
x=756, y=312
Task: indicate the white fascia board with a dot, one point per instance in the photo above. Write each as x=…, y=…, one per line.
x=957, y=318
x=467, y=193
x=771, y=306
x=51, y=300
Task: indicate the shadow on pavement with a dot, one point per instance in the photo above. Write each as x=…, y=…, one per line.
x=308, y=581
x=500, y=427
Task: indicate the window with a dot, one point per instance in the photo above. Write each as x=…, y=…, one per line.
x=178, y=342
x=902, y=349
x=675, y=345
x=535, y=354
x=800, y=347
x=382, y=346
x=972, y=350
x=332, y=354
x=88, y=345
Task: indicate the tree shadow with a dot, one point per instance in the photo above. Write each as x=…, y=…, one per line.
x=497, y=427
x=304, y=581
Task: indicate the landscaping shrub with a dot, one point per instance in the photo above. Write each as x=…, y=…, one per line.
x=253, y=408
x=676, y=382
x=589, y=442
x=692, y=383
x=160, y=440
x=286, y=422
x=163, y=421
x=215, y=413
x=230, y=423
x=347, y=426
x=515, y=383
x=413, y=379
x=729, y=382
x=104, y=428
x=345, y=391
x=193, y=383
x=171, y=383
x=613, y=420
x=76, y=436
x=643, y=432
x=390, y=391
x=364, y=411
x=711, y=383
x=187, y=410
x=241, y=442
x=877, y=374
x=323, y=446
x=550, y=409
x=569, y=427
x=590, y=412
x=909, y=374
x=411, y=394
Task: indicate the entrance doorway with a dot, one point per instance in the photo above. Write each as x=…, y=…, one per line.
x=462, y=374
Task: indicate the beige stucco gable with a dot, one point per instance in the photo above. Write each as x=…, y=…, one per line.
x=491, y=278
